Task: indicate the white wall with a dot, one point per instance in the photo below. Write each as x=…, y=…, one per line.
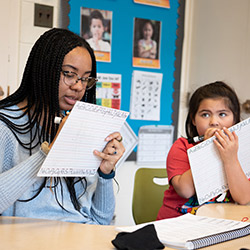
x=30, y=33
x=9, y=30
x=18, y=35
x=216, y=47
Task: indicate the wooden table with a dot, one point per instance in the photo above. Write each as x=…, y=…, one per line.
x=34, y=234
x=226, y=211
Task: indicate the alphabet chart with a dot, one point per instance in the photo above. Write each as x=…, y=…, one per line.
x=84, y=131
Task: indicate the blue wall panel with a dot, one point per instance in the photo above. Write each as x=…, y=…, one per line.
x=124, y=12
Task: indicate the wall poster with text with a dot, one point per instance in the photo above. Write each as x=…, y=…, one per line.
x=108, y=90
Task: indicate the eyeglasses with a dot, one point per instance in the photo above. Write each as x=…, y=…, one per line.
x=71, y=78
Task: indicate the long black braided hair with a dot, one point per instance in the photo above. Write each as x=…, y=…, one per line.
x=39, y=86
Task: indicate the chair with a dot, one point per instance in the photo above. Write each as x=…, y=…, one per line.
x=148, y=195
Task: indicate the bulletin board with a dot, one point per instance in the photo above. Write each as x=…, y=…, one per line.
x=124, y=13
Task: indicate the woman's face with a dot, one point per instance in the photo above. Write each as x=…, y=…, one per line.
x=79, y=61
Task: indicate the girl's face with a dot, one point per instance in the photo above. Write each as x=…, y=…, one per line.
x=97, y=28
x=79, y=61
x=147, y=31
x=213, y=113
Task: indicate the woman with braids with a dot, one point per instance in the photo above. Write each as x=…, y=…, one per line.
x=60, y=70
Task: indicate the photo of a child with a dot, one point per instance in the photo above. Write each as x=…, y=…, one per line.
x=146, y=43
x=147, y=47
x=146, y=38
x=96, y=28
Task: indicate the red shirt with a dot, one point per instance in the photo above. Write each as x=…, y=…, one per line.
x=177, y=164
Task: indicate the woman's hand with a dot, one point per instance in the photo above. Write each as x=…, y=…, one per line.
x=111, y=153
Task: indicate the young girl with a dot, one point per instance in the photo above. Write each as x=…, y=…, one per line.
x=212, y=109
x=61, y=69
x=147, y=47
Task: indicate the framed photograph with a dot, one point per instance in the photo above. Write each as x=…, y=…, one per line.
x=96, y=29
x=146, y=43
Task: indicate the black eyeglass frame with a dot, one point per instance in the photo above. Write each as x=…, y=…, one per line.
x=90, y=80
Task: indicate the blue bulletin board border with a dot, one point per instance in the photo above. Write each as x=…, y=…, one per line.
x=124, y=12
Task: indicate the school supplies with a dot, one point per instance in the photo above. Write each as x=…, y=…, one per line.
x=196, y=139
x=207, y=168
x=84, y=131
x=193, y=232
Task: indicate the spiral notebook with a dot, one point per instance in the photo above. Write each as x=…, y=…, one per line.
x=193, y=232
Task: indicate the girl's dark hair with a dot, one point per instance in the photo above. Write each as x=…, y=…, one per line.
x=213, y=90
x=40, y=85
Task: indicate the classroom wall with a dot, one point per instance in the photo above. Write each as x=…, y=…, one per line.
x=124, y=13
x=216, y=47
x=18, y=36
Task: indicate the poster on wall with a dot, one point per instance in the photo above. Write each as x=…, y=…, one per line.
x=146, y=43
x=145, y=96
x=96, y=29
x=108, y=90
x=157, y=3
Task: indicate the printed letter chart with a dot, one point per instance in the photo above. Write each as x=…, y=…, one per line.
x=84, y=131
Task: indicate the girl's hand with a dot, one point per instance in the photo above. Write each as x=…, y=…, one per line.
x=227, y=144
x=111, y=153
x=210, y=132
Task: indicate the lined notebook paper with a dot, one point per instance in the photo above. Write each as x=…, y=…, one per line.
x=207, y=168
x=84, y=131
x=193, y=232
